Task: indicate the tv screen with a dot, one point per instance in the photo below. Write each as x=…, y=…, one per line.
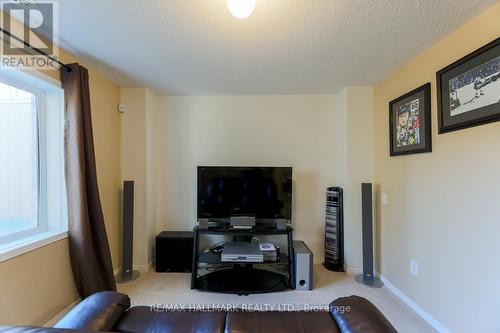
x=263, y=192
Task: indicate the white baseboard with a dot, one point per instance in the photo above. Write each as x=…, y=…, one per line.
x=352, y=270
x=139, y=268
x=414, y=306
x=61, y=314
x=143, y=268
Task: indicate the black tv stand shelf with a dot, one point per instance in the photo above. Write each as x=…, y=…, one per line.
x=242, y=278
x=212, y=258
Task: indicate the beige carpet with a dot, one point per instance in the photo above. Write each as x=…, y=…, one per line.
x=170, y=289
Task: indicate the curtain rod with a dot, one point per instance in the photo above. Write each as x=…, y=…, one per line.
x=8, y=33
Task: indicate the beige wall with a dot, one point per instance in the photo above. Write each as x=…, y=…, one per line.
x=37, y=285
x=359, y=167
x=151, y=107
x=443, y=207
x=304, y=132
x=327, y=140
x=136, y=165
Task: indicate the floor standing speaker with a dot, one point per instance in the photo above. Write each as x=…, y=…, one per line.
x=127, y=272
x=368, y=277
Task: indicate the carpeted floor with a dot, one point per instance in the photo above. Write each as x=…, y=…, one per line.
x=170, y=289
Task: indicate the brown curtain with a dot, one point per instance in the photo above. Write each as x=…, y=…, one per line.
x=89, y=248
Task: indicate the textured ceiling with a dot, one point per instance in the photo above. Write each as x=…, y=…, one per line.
x=285, y=47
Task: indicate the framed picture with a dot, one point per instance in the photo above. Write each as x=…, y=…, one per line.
x=410, y=122
x=469, y=90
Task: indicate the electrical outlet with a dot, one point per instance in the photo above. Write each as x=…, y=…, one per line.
x=413, y=267
x=384, y=199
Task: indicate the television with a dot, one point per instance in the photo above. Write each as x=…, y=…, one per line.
x=261, y=192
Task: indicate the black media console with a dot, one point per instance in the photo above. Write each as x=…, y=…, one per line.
x=209, y=273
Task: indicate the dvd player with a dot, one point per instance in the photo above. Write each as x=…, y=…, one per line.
x=242, y=252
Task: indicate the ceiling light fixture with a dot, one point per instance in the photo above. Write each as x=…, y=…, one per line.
x=241, y=8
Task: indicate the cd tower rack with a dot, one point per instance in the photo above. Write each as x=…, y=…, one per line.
x=334, y=230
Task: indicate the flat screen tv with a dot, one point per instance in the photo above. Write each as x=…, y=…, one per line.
x=262, y=192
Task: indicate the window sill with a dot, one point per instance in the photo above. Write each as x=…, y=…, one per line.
x=16, y=248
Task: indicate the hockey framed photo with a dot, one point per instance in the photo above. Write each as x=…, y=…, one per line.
x=410, y=122
x=469, y=90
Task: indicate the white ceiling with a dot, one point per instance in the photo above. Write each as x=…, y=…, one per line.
x=285, y=47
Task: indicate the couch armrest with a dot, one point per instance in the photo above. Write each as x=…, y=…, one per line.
x=30, y=329
x=356, y=314
x=98, y=312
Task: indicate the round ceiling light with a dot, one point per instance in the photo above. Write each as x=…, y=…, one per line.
x=241, y=8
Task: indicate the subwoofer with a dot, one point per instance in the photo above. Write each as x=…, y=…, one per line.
x=174, y=251
x=368, y=277
x=127, y=272
x=303, y=266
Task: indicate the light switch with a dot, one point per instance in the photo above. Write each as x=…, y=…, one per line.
x=384, y=199
x=413, y=267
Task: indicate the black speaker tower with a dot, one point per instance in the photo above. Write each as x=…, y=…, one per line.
x=368, y=277
x=127, y=272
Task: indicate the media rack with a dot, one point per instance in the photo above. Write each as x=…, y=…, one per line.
x=334, y=230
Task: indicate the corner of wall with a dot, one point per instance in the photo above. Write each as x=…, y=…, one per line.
x=137, y=163
x=356, y=106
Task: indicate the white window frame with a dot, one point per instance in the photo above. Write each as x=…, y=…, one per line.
x=23, y=241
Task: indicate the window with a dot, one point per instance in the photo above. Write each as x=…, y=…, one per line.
x=32, y=192
x=19, y=181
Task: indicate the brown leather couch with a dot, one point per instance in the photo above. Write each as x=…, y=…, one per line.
x=111, y=312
